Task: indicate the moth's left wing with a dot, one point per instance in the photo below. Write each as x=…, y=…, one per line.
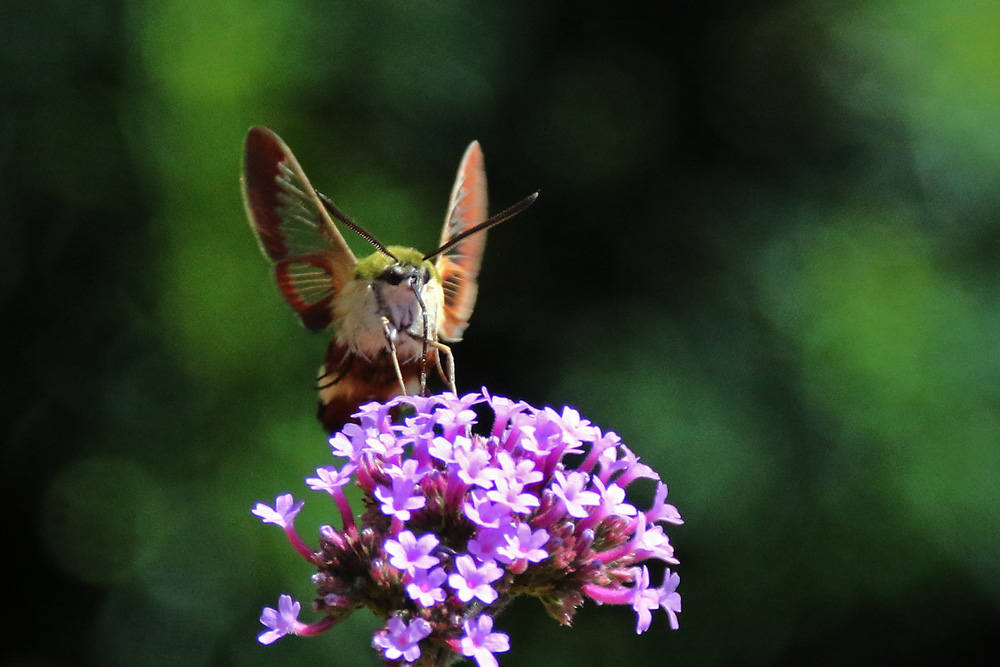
x=312, y=261
x=459, y=265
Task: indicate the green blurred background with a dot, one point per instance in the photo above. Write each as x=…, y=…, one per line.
x=764, y=253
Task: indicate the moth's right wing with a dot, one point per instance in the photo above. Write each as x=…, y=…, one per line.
x=459, y=266
x=312, y=261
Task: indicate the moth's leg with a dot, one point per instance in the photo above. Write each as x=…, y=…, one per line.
x=423, y=360
x=392, y=353
x=445, y=351
x=415, y=285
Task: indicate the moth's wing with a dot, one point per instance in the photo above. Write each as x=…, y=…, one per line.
x=459, y=266
x=312, y=261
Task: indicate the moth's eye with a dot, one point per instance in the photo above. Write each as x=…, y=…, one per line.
x=427, y=276
x=393, y=275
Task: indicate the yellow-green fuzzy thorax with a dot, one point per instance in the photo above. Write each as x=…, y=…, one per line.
x=376, y=263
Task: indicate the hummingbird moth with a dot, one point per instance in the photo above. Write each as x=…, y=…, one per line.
x=392, y=312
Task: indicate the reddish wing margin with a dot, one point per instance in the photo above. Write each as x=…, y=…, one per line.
x=459, y=266
x=312, y=261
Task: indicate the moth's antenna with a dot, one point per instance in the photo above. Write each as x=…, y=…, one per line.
x=332, y=209
x=491, y=221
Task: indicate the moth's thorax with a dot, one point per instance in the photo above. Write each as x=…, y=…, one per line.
x=386, y=288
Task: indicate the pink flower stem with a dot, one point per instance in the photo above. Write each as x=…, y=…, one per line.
x=639, y=525
x=551, y=515
x=345, y=508
x=299, y=545
x=313, y=629
x=605, y=595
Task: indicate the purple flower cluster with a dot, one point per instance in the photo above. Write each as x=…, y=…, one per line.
x=458, y=524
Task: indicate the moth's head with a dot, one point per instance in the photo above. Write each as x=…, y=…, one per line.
x=403, y=265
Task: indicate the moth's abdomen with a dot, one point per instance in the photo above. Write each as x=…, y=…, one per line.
x=348, y=380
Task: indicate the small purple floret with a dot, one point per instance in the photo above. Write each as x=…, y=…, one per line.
x=280, y=621
x=409, y=554
x=425, y=587
x=401, y=640
x=480, y=642
x=282, y=514
x=473, y=581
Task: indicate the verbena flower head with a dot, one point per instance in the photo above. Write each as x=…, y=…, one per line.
x=456, y=524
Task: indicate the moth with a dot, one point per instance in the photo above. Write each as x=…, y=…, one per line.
x=392, y=313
